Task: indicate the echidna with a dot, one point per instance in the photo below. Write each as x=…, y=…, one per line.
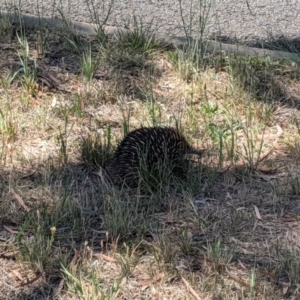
x=154, y=151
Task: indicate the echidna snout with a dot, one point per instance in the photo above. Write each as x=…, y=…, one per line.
x=148, y=152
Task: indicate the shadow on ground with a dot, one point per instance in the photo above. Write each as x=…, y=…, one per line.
x=279, y=43
x=75, y=201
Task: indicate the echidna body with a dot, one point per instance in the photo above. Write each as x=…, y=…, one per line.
x=147, y=151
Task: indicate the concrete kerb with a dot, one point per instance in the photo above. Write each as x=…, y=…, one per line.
x=90, y=29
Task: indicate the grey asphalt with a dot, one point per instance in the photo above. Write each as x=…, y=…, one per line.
x=251, y=21
x=241, y=19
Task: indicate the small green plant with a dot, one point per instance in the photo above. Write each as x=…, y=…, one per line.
x=127, y=261
x=183, y=63
x=43, y=40
x=88, y=66
x=161, y=175
x=197, y=19
x=8, y=128
x=29, y=69
x=86, y=285
x=197, y=180
x=252, y=283
x=295, y=185
x=251, y=150
x=74, y=41
x=120, y=59
x=163, y=251
x=124, y=215
x=76, y=285
x=141, y=39
x=62, y=139
x=6, y=81
x=240, y=220
x=6, y=26
x=97, y=150
x=154, y=112
x=216, y=250
x=38, y=250
x=289, y=266
x=77, y=106
x=100, y=19
x=265, y=113
x=185, y=243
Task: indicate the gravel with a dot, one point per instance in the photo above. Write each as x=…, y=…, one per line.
x=242, y=20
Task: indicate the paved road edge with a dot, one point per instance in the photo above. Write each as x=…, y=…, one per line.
x=211, y=46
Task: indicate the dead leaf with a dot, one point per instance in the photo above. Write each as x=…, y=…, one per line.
x=275, y=136
x=190, y=289
x=54, y=79
x=44, y=81
x=10, y=230
x=101, y=74
x=75, y=257
x=21, y=202
x=258, y=216
x=72, y=264
x=285, y=287
x=105, y=257
x=269, y=275
x=240, y=208
x=99, y=231
x=160, y=92
x=203, y=258
x=247, y=252
x=242, y=265
x=31, y=281
x=288, y=219
x=152, y=280
x=6, y=46
x=9, y=254
x=17, y=274
x=238, y=279
x=267, y=170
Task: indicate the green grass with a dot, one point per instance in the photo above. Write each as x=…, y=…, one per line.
x=228, y=231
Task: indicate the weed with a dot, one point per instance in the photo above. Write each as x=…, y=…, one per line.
x=6, y=81
x=74, y=41
x=141, y=39
x=183, y=63
x=37, y=250
x=154, y=112
x=97, y=150
x=127, y=261
x=198, y=17
x=252, y=152
x=29, y=69
x=288, y=268
x=88, y=66
x=42, y=43
x=90, y=288
x=185, y=243
x=295, y=185
x=101, y=22
x=8, y=127
x=163, y=251
x=120, y=59
x=252, y=284
x=6, y=27
x=62, y=139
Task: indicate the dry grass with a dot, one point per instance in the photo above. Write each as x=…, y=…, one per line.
x=230, y=232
